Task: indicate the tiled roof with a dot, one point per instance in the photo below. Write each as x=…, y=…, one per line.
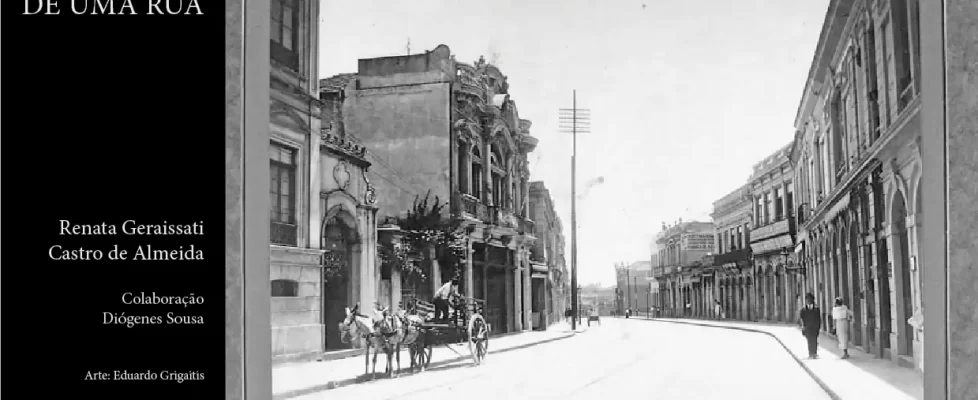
x=336, y=83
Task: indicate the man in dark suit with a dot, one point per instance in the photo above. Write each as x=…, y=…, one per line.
x=811, y=323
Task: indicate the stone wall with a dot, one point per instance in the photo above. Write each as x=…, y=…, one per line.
x=297, y=326
x=406, y=132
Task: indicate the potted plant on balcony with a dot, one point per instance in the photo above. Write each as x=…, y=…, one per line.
x=427, y=227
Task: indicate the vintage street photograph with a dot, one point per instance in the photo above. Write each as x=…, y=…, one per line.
x=581, y=199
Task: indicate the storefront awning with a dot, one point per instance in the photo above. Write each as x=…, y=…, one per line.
x=731, y=257
x=773, y=244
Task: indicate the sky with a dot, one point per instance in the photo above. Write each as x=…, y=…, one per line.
x=684, y=96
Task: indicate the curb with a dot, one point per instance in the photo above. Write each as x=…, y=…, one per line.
x=330, y=385
x=817, y=380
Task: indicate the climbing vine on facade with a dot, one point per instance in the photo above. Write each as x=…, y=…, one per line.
x=427, y=226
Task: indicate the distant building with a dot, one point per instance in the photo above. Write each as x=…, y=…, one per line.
x=633, y=287
x=601, y=298
x=733, y=281
x=551, y=286
x=682, y=249
x=779, y=286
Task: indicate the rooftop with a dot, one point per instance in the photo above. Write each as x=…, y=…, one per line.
x=336, y=83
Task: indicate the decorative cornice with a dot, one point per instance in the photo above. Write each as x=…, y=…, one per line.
x=356, y=153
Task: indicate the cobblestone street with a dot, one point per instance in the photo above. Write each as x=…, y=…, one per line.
x=637, y=359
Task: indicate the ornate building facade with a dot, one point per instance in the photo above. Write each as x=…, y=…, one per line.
x=779, y=285
x=321, y=221
x=682, y=249
x=434, y=125
x=547, y=259
x=733, y=281
x=858, y=159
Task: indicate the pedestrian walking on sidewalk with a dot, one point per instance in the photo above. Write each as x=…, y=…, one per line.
x=718, y=309
x=811, y=322
x=842, y=316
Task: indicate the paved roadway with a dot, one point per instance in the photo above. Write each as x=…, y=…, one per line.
x=634, y=358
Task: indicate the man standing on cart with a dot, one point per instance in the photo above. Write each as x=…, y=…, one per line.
x=442, y=297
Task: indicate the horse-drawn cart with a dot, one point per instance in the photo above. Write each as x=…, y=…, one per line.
x=465, y=325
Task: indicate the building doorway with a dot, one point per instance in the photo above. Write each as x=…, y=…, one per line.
x=496, y=314
x=902, y=252
x=339, y=237
x=857, y=286
x=538, y=301
x=843, y=263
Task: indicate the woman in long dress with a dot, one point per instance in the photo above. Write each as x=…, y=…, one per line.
x=842, y=316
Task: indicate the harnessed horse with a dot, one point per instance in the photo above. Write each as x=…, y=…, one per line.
x=401, y=329
x=387, y=333
x=356, y=327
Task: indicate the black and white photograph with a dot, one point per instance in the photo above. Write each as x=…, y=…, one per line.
x=441, y=199
x=569, y=200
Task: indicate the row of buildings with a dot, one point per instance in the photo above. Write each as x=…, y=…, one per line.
x=836, y=211
x=349, y=157
x=635, y=286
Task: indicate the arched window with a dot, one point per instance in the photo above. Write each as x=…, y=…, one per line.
x=476, y=163
x=513, y=203
x=462, y=160
x=498, y=163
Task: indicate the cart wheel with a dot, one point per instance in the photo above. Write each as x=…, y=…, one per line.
x=478, y=332
x=422, y=357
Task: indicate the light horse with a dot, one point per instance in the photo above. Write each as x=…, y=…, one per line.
x=387, y=332
x=401, y=329
x=357, y=327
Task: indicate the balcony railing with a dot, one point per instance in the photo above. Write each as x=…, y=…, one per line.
x=474, y=208
x=283, y=234
x=769, y=230
x=503, y=216
x=467, y=74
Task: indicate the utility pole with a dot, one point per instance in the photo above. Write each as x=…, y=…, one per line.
x=574, y=120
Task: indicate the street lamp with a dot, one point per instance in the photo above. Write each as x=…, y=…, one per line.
x=648, y=301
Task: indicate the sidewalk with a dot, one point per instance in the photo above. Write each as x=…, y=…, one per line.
x=862, y=376
x=297, y=379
